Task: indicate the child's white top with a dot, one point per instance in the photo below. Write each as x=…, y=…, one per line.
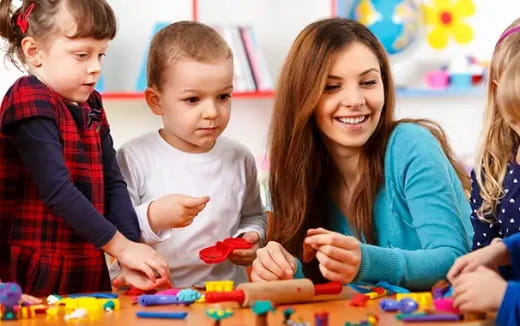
x=227, y=174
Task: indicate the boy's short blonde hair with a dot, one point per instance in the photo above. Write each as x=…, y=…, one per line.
x=183, y=40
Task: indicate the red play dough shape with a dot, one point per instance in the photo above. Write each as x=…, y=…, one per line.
x=219, y=252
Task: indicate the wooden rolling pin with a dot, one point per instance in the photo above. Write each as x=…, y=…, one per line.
x=282, y=292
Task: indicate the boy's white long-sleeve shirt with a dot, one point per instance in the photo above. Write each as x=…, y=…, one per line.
x=227, y=174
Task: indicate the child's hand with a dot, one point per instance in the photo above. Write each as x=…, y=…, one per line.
x=138, y=256
x=339, y=255
x=478, y=291
x=246, y=256
x=138, y=280
x=174, y=211
x=272, y=263
x=494, y=255
x=30, y=299
x=144, y=258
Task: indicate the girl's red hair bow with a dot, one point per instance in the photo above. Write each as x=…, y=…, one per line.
x=22, y=20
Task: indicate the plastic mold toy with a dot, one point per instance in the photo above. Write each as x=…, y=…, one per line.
x=219, y=252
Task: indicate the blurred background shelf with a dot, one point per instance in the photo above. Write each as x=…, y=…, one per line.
x=140, y=95
x=429, y=92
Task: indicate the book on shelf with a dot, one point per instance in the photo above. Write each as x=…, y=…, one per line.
x=251, y=73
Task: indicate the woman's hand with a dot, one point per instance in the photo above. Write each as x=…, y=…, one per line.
x=339, y=255
x=273, y=262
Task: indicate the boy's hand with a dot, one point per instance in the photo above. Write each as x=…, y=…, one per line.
x=492, y=256
x=246, y=256
x=138, y=280
x=480, y=290
x=272, y=263
x=174, y=211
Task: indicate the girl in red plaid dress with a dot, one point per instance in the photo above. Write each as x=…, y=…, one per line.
x=62, y=197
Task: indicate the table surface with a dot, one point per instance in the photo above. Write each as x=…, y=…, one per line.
x=339, y=313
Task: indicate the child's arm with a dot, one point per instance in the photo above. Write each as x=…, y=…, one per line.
x=156, y=217
x=509, y=310
x=119, y=209
x=253, y=219
x=40, y=150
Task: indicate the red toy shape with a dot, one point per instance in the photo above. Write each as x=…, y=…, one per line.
x=219, y=252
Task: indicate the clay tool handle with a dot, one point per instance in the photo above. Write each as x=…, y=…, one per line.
x=237, y=296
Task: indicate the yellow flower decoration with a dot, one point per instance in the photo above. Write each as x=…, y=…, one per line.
x=446, y=17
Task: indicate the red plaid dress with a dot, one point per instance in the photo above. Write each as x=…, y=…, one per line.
x=38, y=249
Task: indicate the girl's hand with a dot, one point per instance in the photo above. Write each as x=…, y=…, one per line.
x=495, y=254
x=30, y=299
x=245, y=257
x=479, y=290
x=272, y=263
x=174, y=211
x=138, y=280
x=339, y=255
x=138, y=256
x=143, y=258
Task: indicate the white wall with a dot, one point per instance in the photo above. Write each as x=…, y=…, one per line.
x=276, y=24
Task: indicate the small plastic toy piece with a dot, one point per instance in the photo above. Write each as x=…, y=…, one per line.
x=26, y=312
x=408, y=305
x=446, y=305
x=218, y=314
x=220, y=251
x=424, y=299
x=405, y=305
x=260, y=309
x=77, y=314
x=162, y=314
x=219, y=286
x=372, y=319
x=188, y=295
x=109, y=305
x=53, y=299
x=359, y=300
x=321, y=318
x=389, y=305
x=287, y=313
x=10, y=294
x=39, y=308
x=135, y=291
x=440, y=288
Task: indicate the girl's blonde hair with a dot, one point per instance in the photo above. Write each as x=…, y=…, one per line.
x=498, y=138
x=94, y=18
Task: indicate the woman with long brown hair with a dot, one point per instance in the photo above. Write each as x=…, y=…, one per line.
x=371, y=198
